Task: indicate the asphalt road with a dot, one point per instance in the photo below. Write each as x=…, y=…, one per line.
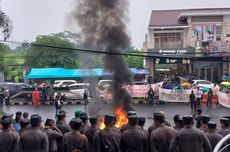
x=144, y=110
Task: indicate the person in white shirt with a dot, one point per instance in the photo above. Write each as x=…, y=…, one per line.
x=198, y=95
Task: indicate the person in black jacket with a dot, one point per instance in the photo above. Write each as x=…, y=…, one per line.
x=192, y=101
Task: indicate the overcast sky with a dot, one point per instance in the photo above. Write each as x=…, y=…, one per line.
x=35, y=17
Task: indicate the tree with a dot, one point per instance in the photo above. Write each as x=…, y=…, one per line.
x=135, y=61
x=5, y=25
x=41, y=54
x=4, y=51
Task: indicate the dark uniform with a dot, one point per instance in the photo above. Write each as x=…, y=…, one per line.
x=133, y=137
x=127, y=126
x=9, y=140
x=225, y=130
x=160, y=138
x=34, y=140
x=151, y=128
x=212, y=135
x=90, y=134
x=108, y=137
x=74, y=140
x=190, y=139
x=53, y=135
x=204, y=120
x=84, y=118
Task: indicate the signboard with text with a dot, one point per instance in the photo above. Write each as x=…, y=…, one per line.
x=224, y=99
x=169, y=95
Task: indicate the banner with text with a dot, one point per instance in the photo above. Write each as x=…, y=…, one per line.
x=224, y=99
x=168, y=95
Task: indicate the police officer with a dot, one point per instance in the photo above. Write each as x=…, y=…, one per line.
x=197, y=117
x=190, y=139
x=85, y=125
x=204, y=120
x=24, y=125
x=161, y=137
x=127, y=126
x=61, y=125
x=74, y=140
x=225, y=130
x=9, y=140
x=107, y=139
x=90, y=133
x=133, y=137
x=212, y=135
x=141, y=123
x=53, y=134
x=34, y=139
x=179, y=123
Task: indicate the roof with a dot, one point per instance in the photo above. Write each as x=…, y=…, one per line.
x=170, y=17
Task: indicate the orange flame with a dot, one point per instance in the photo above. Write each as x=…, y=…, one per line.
x=121, y=118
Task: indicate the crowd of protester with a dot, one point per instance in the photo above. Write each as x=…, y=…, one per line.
x=189, y=133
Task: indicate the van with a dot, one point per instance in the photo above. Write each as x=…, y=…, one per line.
x=63, y=83
x=78, y=89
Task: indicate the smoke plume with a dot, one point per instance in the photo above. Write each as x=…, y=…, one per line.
x=103, y=25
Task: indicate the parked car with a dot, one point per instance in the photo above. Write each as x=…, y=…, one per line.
x=78, y=90
x=63, y=83
x=105, y=84
x=202, y=84
x=14, y=88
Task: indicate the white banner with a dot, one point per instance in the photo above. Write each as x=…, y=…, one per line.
x=224, y=99
x=169, y=95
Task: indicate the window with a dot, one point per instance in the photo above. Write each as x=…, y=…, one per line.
x=168, y=40
x=218, y=32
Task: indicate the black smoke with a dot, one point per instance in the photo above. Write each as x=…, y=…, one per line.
x=103, y=25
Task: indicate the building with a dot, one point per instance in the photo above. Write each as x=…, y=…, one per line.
x=188, y=41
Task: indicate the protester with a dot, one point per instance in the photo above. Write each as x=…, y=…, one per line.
x=9, y=140
x=198, y=95
x=209, y=99
x=161, y=137
x=58, y=105
x=133, y=137
x=190, y=139
x=36, y=97
x=74, y=140
x=212, y=134
x=192, y=101
x=34, y=139
x=150, y=95
x=85, y=98
x=2, y=96
x=7, y=97
x=215, y=90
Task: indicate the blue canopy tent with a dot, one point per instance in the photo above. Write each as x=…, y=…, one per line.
x=46, y=73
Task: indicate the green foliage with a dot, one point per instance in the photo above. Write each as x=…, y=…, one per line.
x=134, y=61
x=41, y=55
x=5, y=25
x=4, y=50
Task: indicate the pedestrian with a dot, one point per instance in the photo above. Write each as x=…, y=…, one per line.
x=74, y=141
x=108, y=140
x=209, y=99
x=44, y=93
x=34, y=139
x=133, y=137
x=198, y=95
x=50, y=94
x=53, y=134
x=161, y=137
x=58, y=105
x=7, y=97
x=212, y=134
x=190, y=139
x=91, y=132
x=25, y=115
x=225, y=130
x=85, y=98
x=36, y=97
x=192, y=98
x=2, y=96
x=204, y=121
x=85, y=125
x=9, y=140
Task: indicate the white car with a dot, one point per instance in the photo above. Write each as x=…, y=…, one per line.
x=64, y=83
x=78, y=89
x=202, y=83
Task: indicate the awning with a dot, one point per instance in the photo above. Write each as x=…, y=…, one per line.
x=42, y=73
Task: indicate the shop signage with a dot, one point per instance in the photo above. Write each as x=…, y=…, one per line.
x=182, y=52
